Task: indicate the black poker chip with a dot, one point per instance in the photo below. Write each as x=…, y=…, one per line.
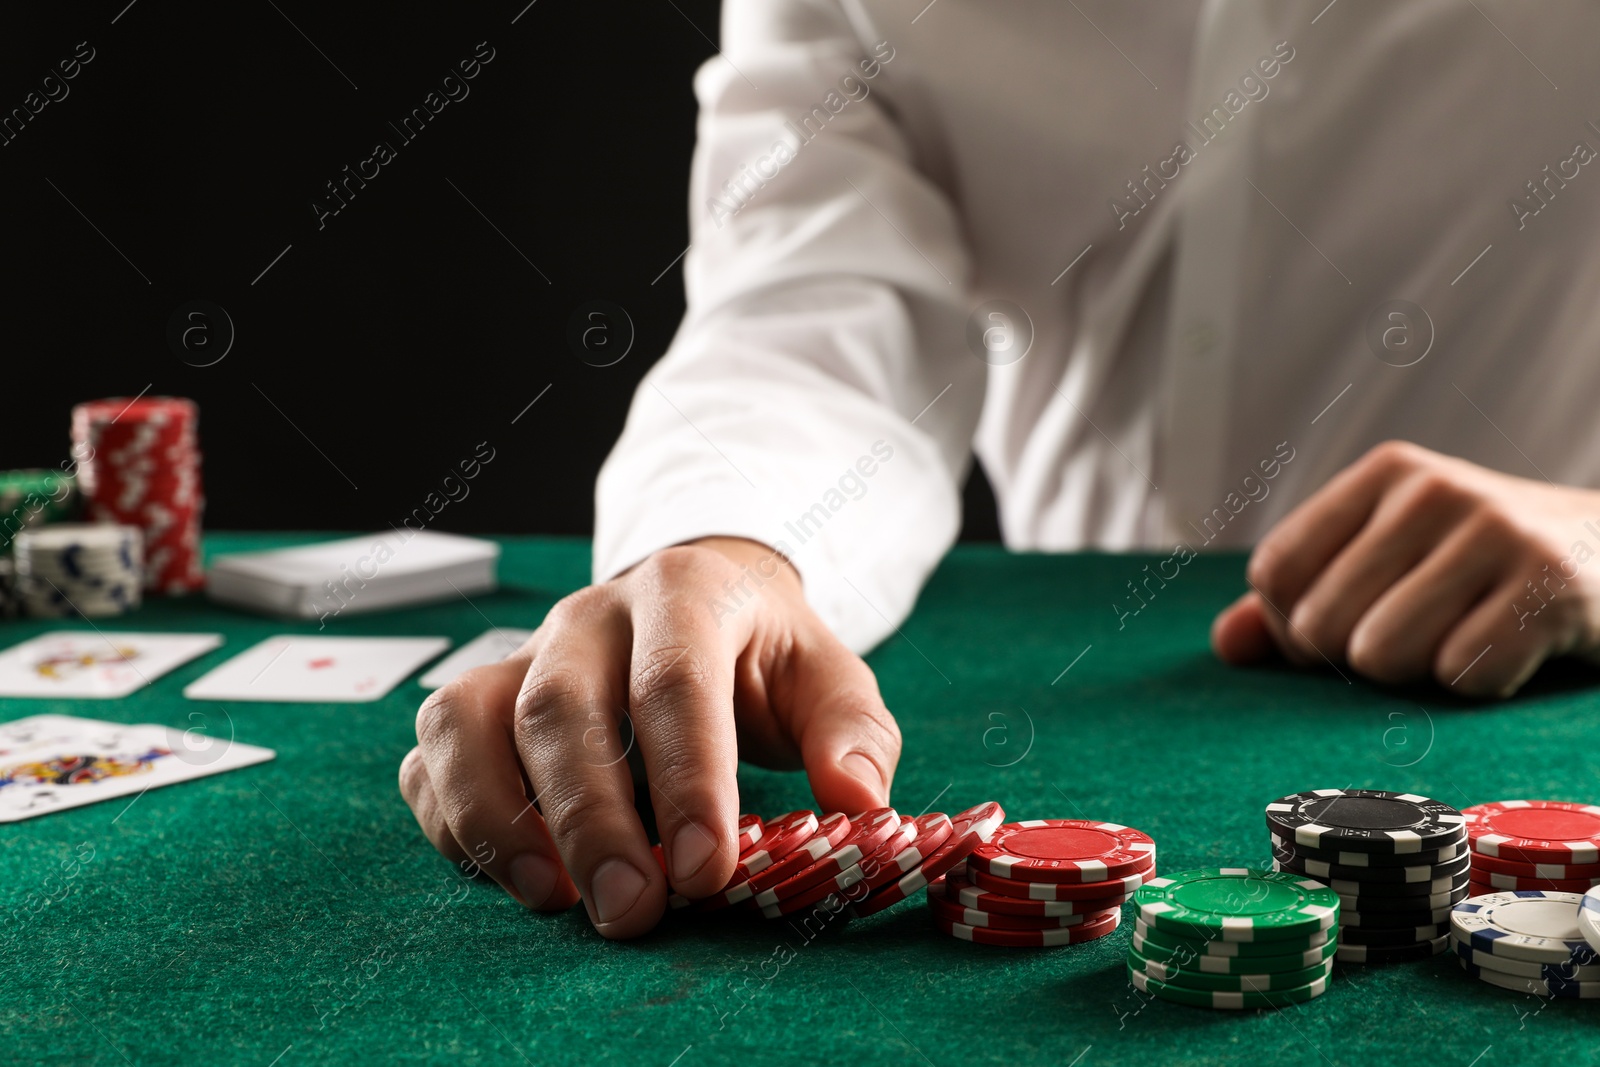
x=1391, y=953
x=1421, y=874
x=1375, y=860
x=1365, y=820
x=1404, y=935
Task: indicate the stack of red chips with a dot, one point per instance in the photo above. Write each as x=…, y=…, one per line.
x=139, y=465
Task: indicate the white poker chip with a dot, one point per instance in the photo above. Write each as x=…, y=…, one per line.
x=1589, y=917
x=1524, y=925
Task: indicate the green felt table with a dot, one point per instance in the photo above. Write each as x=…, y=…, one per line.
x=292, y=913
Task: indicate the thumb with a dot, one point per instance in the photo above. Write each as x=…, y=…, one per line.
x=848, y=740
x=1240, y=634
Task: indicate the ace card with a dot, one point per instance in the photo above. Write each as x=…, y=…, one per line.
x=317, y=670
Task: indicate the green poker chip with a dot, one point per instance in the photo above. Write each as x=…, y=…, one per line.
x=1154, y=947
x=1217, y=998
x=1212, y=945
x=1237, y=904
x=34, y=498
x=1191, y=976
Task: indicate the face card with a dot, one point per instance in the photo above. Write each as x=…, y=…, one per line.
x=122, y=761
x=318, y=670
x=93, y=665
x=491, y=646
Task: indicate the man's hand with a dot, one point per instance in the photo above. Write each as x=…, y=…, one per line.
x=1409, y=563
x=759, y=677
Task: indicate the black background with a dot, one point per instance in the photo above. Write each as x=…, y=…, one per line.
x=381, y=348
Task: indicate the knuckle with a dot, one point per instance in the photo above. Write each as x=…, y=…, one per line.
x=436, y=719
x=1265, y=571
x=1395, y=455
x=547, y=694
x=572, y=815
x=413, y=775
x=1430, y=489
x=683, y=565
x=669, y=676
x=577, y=609
x=1376, y=659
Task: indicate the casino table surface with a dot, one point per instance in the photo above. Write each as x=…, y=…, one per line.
x=292, y=913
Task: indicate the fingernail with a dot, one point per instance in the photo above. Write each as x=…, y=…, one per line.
x=863, y=770
x=692, y=846
x=535, y=878
x=614, y=889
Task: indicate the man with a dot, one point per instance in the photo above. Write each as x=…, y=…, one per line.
x=1182, y=276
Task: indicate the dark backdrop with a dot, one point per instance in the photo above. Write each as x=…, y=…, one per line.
x=373, y=348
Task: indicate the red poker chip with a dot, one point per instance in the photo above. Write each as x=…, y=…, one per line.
x=962, y=888
x=968, y=830
x=1065, y=850
x=843, y=882
x=1119, y=889
x=1066, y=935
x=1079, y=906
x=867, y=832
x=832, y=829
x=949, y=910
x=885, y=866
x=780, y=838
x=1535, y=831
x=1503, y=882
x=750, y=827
x=1482, y=864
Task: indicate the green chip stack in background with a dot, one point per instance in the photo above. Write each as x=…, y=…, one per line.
x=30, y=498
x=1233, y=937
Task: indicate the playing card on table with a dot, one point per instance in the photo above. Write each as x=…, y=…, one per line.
x=317, y=669
x=491, y=646
x=110, y=760
x=68, y=663
x=32, y=730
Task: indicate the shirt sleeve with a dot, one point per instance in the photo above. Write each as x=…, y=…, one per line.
x=820, y=395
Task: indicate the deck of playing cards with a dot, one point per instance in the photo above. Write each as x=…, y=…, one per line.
x=360, y=574
x=55, y=762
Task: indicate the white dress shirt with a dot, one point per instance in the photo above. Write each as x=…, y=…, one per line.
x=1205, y=213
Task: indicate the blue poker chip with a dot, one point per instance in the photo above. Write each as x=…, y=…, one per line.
x=1529, y=925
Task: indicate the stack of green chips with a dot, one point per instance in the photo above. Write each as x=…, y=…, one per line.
x=1233, y=937
x=30, y=498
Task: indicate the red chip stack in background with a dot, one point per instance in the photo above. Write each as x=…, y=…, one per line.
x=139, y=465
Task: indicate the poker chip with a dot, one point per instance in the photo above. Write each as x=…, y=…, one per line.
x=1371, y=905
x=1066, y=935
x=1497, y=881
x=1539, y=927
x=968, y=830
x=138, y=464
x=1535, y=831
x=959, y=888
x=1289, y=859
x=1218, y=947
x=814, y=894
x=1407, y=935
x=1237, y=904
x=1334, y=857
x=1589, y=918
x=89, y=569
x=1482, y=864
x=1203, y=998
x=1112, y=892
x=1539, y=987
x=948, y=909
x=892, y=861
x=1186, y=955
x=831, y=831
x=776, y=839
x=1064, y=851
x=1190, y=977
x=1392, y=953
x=1559, y=972
x=1382, y=920
x=750, y=830
x=1392, y=891
x=1364, y=820
x=867, y=832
